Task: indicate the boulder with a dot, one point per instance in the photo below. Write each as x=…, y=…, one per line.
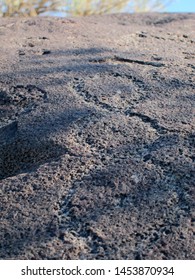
x=104, y=112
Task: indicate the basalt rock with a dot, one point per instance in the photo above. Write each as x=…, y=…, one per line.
x=97, y=137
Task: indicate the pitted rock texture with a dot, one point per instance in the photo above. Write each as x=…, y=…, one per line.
x=97, y=133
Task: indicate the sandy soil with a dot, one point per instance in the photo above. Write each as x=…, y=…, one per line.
x=97, y=137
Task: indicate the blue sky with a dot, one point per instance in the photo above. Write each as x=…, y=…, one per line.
x=176, y=6
x=181, y=6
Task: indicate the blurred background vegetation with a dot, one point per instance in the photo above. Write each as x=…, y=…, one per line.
x=77, y=7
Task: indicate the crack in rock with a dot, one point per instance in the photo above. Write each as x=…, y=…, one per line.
x=127, y=60
x=130, y=91
x=88, y=97
x=146, y=119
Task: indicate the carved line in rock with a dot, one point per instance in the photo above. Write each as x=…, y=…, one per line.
x=146, y=119
x=88, y=97
x=79, y=88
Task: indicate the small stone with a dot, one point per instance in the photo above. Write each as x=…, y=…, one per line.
x=31, y=45
x=43, y=38
x=45, y=52
x=157, y=58
x=142, y=35
x=21, y=52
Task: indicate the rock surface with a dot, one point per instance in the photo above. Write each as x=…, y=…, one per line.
x=102, y=164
